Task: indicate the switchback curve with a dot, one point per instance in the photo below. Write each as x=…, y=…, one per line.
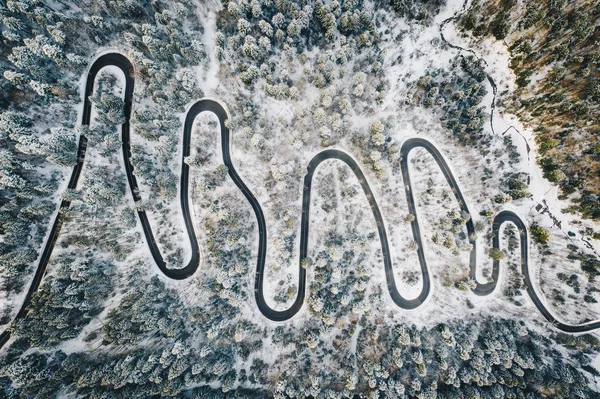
x=121, y=62
x=481, y=289
x=510, y=217
x=398, y=299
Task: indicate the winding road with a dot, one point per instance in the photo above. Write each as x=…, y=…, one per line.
x=207, y=105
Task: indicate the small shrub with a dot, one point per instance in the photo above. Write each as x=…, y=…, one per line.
x=540, y=234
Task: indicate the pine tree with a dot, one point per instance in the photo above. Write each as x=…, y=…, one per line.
x=60, y=146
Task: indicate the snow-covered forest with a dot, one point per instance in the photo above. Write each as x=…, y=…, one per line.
x=86, y=310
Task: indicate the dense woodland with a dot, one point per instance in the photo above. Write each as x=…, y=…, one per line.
x=458, y=92
x=554, y=54
x=104, y=325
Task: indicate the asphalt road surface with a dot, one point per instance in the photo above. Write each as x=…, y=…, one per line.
x=206, y=105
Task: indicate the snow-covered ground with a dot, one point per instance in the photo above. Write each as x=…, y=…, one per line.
x=277, y=179
x=272, y=158
x=544, y=265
